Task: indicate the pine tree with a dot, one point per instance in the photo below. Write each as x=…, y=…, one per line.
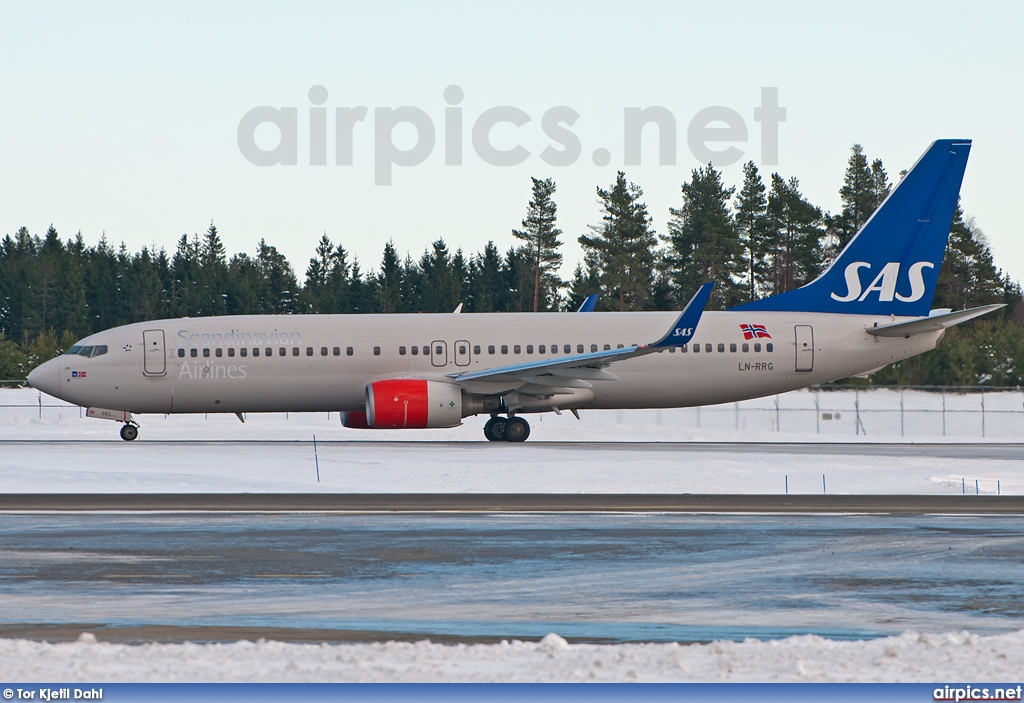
x=314, y=291
x=213, y=272
x=703, y=241
x=486, y=284
x=622, y=247
x=864, y=189
x=542, y=243
x=968, y=276
x=751, y=216
x=794, y=234
x=389, y=281
x=584, y=282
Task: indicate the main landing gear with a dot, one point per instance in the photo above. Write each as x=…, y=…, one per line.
x=512, y=429
x=129, y=432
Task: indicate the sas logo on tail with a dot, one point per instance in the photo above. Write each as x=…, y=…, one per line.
x=884, y=283
x=755, y=332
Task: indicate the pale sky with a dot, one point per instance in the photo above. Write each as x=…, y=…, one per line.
x=123, y=117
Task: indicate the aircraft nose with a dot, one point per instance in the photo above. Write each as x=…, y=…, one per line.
x=46, y=377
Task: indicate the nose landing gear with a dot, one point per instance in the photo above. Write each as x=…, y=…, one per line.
x=512, y=429
x=129, y=432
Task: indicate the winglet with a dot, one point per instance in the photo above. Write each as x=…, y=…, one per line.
x=589, y=304
x=682, y=331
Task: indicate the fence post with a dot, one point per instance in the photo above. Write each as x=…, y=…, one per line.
x=856, y=407
x=983, y=414
x=778, y=420
x=817, y=411
x=737, y=405
x=943, y=411
x=901, y=412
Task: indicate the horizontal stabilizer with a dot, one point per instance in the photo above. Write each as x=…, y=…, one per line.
x=931, y=324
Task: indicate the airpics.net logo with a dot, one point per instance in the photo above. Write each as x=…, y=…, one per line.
x=713, y=134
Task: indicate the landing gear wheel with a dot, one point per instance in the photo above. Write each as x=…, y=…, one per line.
x=516, y=429
x=129, y=432
x=494, y=429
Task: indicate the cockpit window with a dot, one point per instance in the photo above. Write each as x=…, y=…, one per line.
x=99, y=350
x=74, y=350
x=86, y=351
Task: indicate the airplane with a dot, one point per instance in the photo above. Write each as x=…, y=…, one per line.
x=869, y=309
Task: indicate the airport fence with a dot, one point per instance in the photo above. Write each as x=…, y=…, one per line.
x=830, y=411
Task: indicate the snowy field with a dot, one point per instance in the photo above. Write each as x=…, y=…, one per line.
x=275, y=453
x=271, y=453
x=910, y=657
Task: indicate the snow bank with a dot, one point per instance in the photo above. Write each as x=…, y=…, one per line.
x=911, y=657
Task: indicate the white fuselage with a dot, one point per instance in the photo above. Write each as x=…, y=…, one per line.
x=311, y=363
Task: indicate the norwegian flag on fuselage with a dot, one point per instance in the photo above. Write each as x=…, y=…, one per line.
x=755, y=332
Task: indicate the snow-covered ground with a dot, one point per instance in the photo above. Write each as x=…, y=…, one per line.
x=351, y=460
x=911, y=657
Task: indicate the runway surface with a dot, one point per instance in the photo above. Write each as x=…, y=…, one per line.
x=482, y=578
x=512, y=503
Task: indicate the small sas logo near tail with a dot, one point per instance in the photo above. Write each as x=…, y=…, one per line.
x=755, y=332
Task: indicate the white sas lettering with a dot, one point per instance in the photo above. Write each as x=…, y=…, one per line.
x=884, y=283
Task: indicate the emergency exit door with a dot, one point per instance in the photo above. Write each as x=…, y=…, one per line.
x=804, y=348
x=155, y=359
x=439, y=353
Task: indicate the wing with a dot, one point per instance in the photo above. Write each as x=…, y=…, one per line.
x=550, y=375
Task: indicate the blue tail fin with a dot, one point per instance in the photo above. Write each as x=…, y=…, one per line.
x=891, y=265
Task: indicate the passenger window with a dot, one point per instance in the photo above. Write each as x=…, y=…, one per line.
x=255, y=351
x=579, y=348
x=462, y=349
x=542, y=349
x=769, y=347
x=181, y=352
x=281, y=351
x=309, y=351
x=504, y=349
x=707, y=348
x=746, y=347
x=696, y=348
x=517, y=349
x=529, y=348
x=206, y=352
x=683, y=349
x=295, y=351
x=593, y=348
x=401, y=351
x=336, y=351
x=243, y=351
x=439, y=350
x=476, y=348
x=607, y=347
x=193, y=352
x=671, y=350
x=415, y=351
x=732, y=347
x=231, y=351
x=490, y=348
x=554, y=348
x=348, y=351
x=376, y=351
x=426, y=350
x=218, y=352
x=757, y=346
x=323, y=351
x=721, y=347
x=618, y=346
x=567, y=349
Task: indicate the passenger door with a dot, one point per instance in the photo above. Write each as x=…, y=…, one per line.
x=804, y=348
x=155, y=356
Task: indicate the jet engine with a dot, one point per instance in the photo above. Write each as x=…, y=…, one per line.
x=401, y=403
